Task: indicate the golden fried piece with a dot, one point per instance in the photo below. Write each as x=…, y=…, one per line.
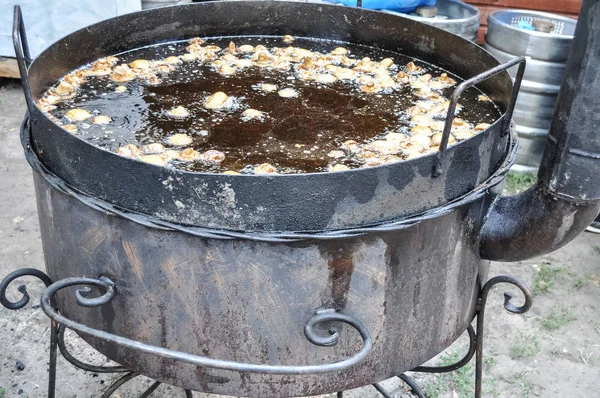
x=196, y=40
x=463, y=133
x=386, y=63
x=483, y=98
x=77, y=78
x=179, y=140
x=64, y=89
x=421, y=130
x=287, y=93
x=396, y=137
x=339, y=51
x=212, y=156
x=216, y=101
x=246, y=49
x=102, y=67
x=173, y=60
x=325, y=78
x=386, y=147
x=265, y=168
x=189, y=57
x=153, y=148
x=153, y=159
x=121, y=89
x=338, y=167
x=281, y=65
x=78, y=115
x=129, y=151
x=350, y=145
x=243, y=63
x=101, y=119
x=413, y=150
x=178, y=112
x=412, y=68
x=229, y=58
x=344, y=74
x=71, y=128
x=288, y=39
x=253, y=114
x=140, y=64
x=385, y=80
x=169, y=154
x=482, y=126
x=402, y=77
x=263, y=59
x=370, y=87
x=189, y=155
x=421, y=120
x=231, y=172
x=336, y=154
x=226, y=70
x=436, y=139
x=268, y=88
x=122, y=73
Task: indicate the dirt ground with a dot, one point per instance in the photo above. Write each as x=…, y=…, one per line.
x=552, y=351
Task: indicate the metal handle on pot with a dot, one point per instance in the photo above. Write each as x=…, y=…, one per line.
x=21, y=46
x=521, y=61
x=311, y=334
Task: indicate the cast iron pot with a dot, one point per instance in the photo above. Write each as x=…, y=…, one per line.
x=398, y=252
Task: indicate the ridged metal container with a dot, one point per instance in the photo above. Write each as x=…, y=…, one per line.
x=548, y=52
x=453, y=16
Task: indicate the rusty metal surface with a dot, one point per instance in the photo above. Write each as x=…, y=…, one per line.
x=414, y=289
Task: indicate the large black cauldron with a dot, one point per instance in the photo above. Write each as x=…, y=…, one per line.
x=236, y=270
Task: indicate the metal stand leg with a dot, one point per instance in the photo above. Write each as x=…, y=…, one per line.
x=53, y=354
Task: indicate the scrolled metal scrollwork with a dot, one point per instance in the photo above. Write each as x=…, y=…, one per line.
x=22, y=302
x=109, y=290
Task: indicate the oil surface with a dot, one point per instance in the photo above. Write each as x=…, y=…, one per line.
x=296, y=134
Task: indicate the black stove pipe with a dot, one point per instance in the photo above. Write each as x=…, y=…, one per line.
x=566, y=197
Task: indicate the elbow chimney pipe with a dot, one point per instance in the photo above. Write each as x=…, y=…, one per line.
x=566, y=197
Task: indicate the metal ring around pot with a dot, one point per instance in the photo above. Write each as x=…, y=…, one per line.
x=322, y=316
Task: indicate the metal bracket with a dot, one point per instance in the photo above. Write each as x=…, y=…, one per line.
x=19, y=37
x=507, y=117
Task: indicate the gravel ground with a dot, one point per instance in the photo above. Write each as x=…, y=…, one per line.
x=552, y=351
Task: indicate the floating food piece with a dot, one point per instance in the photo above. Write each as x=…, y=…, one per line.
x=154, y=148
x=288, y=39
x=213, y=49
x=421, y=120
x=396, y=137
x=421, y=130
x=447, y=80
x=370, y=87
x=231, y=172
x=436, y=139
x=385, y=80
x=325, y=78
x=122, y=73
x=267, y=87
x=287, y=93
x=458, y=122
x=212, y=156
x=121, y=89
x=483, y=98
x=78, y=115
x=189, y=155
x=402, y=77
x=229, y=58
x=178, y=112
x=76, y=78
x=196, y=40
x=103, y=66
x=263, y=59
x=482, y=126
x=305, y=74
x=216, y=101
x=385, y=147
x=243, y=63
x=350, y=145
x=226, y=70
x=336, y=154
x=281, y=65
x=64, y=89
x=344, y=73
x=140, y=64
x=246, y=48
x=173, y=60
x=153, y=159
x=231, y=48
x=412, y=68
x=169, y=154
x=386, y=63
x=189, y=57
x=265, y=168
x=413, y=151
x=339, y=51
x=250, y=114
x=463, y=134
x=338, y=167
x=179, y=140
x=101, y=119
x=129, y=151
x=416, y=110
x=71, y=128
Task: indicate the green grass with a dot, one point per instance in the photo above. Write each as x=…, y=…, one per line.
x=2, y=392
x=597, y=328
x=557, y=318
x=597, y=249
x=461, y=381
x=517, y=183
x=525, y=347
x=545, y=278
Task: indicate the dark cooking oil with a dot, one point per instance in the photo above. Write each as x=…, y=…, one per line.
x=295, y=137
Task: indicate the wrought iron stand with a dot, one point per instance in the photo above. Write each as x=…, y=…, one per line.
x=59, y=324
